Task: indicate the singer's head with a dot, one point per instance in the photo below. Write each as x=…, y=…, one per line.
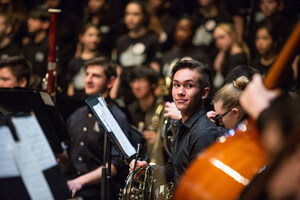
x=14, y=72
x=100, y=76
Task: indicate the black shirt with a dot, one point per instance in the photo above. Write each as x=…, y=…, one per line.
x=231, y=61
x=9, y=50
x=36, y=54
x=87, y=139
x=137, y=51
x=192, y=137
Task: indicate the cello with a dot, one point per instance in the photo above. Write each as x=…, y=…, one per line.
x=225, y=168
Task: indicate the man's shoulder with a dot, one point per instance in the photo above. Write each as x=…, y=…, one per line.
x=205, y=126
x=79, y=112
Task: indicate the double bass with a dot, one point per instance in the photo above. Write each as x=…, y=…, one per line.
x=224, y=169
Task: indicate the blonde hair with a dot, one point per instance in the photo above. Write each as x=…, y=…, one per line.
x=230, y=93
x=230, y=30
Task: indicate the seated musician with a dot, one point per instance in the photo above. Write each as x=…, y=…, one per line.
x=87, y=137
x=228, y=112
x=278, y=120
x=142, y=111
x=191, y=86
x=14, y=72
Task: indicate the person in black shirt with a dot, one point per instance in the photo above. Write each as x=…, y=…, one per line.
x=89, y=39
x=7, y=47
x=266, y=42
x=277, y=118
x=138, y=47
x=87, y=137
x=232, y=52
x=184, y=33
x=228, y=112
x=36, y=50
x=191, y=85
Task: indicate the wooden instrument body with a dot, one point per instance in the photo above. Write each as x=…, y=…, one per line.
x=224, y=159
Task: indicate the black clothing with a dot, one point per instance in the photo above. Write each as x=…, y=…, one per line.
x=175, y=54
x=192, y=137
x=205, y=28
x=263, y=69
x=86, y=152
x=36, y=54
x=9, y=50
x=231, y=61
x=137, y=115
x=135, y=52
x=168, y=25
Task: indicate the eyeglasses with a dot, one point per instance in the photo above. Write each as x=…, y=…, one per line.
x=218, y=118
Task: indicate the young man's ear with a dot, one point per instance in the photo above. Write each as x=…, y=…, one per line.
x=23, y=82
x=205, y=93
x=111, y=82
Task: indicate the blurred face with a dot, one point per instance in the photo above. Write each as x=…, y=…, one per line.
x=141, y=88
x=223, y=40
x=95, y=80
x=7, y=79
x=268, y=7
x=264, y=42
x=95, y=5
x=186, y=91
x=91, y=38
x=34, y=25
x=183, y=32
x=228, y=120
x=156, y=4
x=52, y=3
x=205, y=2
x=133, y=16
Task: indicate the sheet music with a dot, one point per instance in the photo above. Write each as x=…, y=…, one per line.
x=46, y=98
x=32, y=176
x=8, y=167
x=112, y=126
x=29, y=130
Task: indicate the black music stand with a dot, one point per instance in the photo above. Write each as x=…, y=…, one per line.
x=27, y=100
x=117, y=136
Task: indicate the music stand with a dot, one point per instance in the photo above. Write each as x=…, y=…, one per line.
x=13, y=186
x=13, y=100
x=117, y=136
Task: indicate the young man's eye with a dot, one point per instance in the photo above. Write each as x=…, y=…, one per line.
x=175, y=85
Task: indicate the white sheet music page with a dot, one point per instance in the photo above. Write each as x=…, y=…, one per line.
x=32, y=176
x=28, y=129
x=112, y=126
x=8, y=166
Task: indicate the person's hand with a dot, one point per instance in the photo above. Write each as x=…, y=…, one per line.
x=171, y=111
x=212, y=116
x=139, y=164
x=150, y=136
x=62, y=157
x=256, y=97
x=74, y=186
